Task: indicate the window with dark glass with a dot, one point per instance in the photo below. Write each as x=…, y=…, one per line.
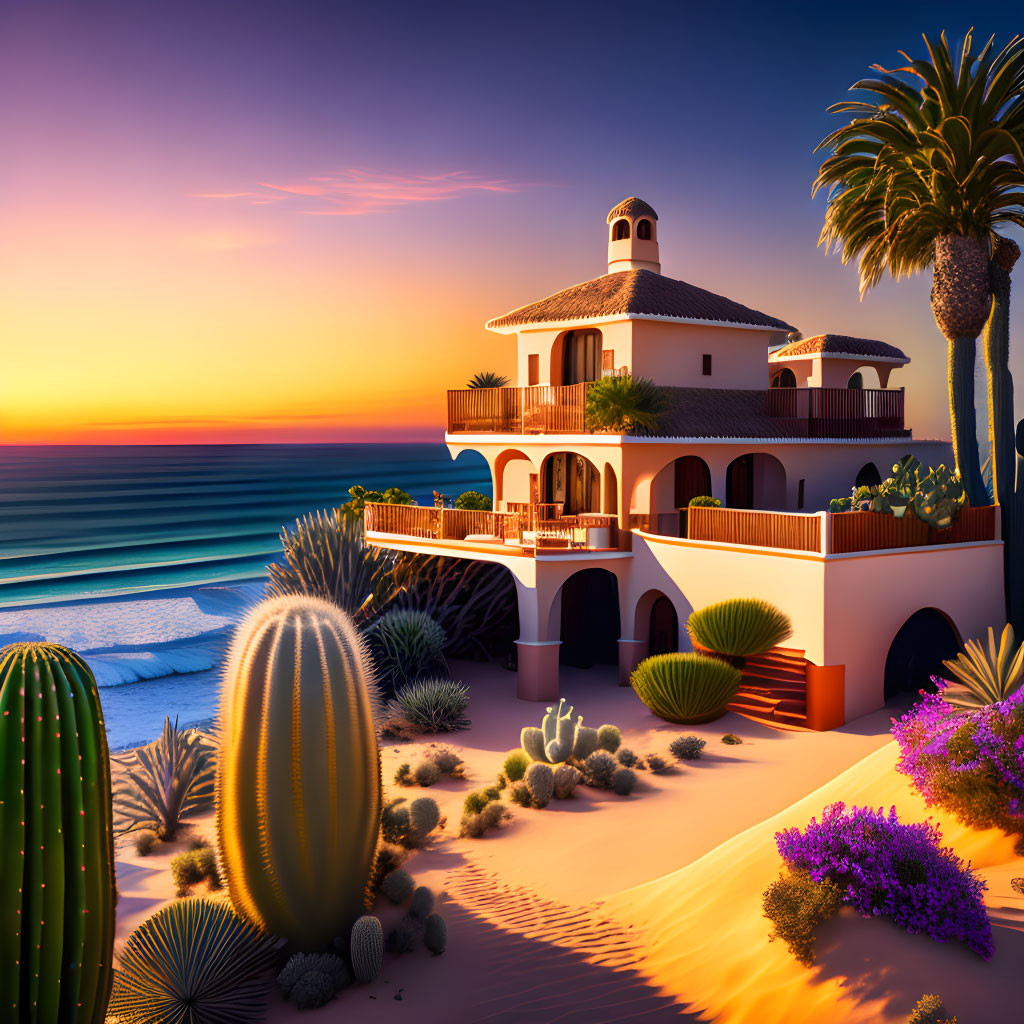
x=706, y=363
x=620, y=230
x=581, y=357
x=643, y=229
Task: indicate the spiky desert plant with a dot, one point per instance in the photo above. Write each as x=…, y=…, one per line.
x=435, y=935
x=566, y=778
x=398, y=885
x=625, y=405
x=425, y=815
x=687, y=748
x=515, y=765
x=196, y=961
x=985, y=677
x=487, y=379
x=56, y=839
x=298, y=777
x=167, y=782
x=928, y=166
x=435, y=705
x=366, y=948
x=559, y=737
x=687, y=688
x=739, y=627
x=406, y=646
x=540, y=781
x=326, y=556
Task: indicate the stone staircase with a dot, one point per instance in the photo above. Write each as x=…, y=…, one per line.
x=774, y=688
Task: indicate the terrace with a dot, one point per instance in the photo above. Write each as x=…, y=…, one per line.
x=693, y=412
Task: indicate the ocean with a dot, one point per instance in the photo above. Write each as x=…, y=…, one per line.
x=143, y=558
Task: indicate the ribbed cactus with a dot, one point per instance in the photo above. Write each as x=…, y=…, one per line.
x=422, y=905
x=424, y=815
x=540, y=781
x=435, y=936
x=366, y=948
x=56, y=840
x=298, y=778
x=559, y=738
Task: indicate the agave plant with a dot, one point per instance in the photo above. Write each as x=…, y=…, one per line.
x=487, y=379
x=194, y=961
x=625, y=405
x=436, y=705
x=740, y=627
x=689, y=688
x=406, y=645
x=327, y=556
x=982, y=678
x=170, y=780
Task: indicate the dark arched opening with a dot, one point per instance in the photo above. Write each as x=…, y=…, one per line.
x=663, y=633
x=868, y=475
x=692, y=479
x=785, y=378
x=581, y=357
x=917, y=651
x=756, y=480
x=590, y=626
x=856, y=381
x=643, y=229
x=739, y=483
x=572, y=480
x=620, y=230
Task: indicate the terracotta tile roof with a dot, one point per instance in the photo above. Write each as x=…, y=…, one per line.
x=840, y=344
x=638, y=292
x=722, y=412
x=632, y=207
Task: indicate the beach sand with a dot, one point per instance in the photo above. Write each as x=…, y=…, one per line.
x=607, y=908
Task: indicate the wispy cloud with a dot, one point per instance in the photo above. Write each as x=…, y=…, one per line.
x=355, y=192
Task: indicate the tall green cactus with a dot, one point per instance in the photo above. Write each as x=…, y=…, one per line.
x=56, y=840
x=559, y=737
x=298, y=778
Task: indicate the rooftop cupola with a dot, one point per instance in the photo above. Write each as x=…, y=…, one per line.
x=633, y=237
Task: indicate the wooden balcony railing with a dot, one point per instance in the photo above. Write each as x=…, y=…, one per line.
x=762, y=529
x=544, y=409
x=840, y=412
x=870, y=531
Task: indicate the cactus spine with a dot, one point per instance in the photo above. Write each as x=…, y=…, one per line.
x=56, y=840
x=298, y=777
x=366, y=948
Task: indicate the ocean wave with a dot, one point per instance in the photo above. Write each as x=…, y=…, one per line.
x=119, y=669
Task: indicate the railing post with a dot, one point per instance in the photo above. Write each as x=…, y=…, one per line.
x=826, y=532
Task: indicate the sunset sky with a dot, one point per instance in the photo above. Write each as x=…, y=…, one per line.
x=289, y=221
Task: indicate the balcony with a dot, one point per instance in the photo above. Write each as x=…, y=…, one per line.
x=692, y=412
x=523, y=529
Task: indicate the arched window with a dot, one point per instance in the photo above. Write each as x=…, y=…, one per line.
x=856, y=381
x=620, y=230
x=785, y=378
x=643, y=229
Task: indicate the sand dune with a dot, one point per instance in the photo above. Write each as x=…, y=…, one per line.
x=707, y=941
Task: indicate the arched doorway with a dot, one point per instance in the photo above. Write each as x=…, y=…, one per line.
x=692, y=479
x=663, y=634
x=856, y=381
x=868, y=476
x=917, y=651
x=590, y=627
x=512, y=469
x=572, y=480
x=610, y=504
x=785, y=378
x=576, y=357
x=755, y=480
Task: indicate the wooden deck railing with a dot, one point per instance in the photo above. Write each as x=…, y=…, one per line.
x=762, y=529
x=871, y=531
x=840, y=412
x=543, y=409
x=437, y=523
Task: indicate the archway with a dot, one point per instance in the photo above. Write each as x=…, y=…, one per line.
x=856, y=381
x=868, y=475
x=576, y=357
x=589, y=627
x=785, y=378
x=755, y=480
x=572, y=480
x=512, y=469
x=917, y=651
x=692, y=479
x=610, y=504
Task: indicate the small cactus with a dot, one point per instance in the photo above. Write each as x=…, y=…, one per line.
x=623, y=781
x=566, y=777
x=435, y=938
x=398, y=885
x=626, y=757
x=609, y=737
x=422, y=903
x=731, y=739
x=425, y=815
x=558, y=738
x=598, y=769
x=687, y=748
x=366, y=948
x=426, y=773
x=313, y=990
x=403, y=937
x=540, y=781
x=515, y=765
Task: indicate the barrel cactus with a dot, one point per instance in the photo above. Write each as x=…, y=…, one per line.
x=540, y=781
x=298, y=777
x=435, y=936
x=56, y=839
x=366, y=948
x=559, y=737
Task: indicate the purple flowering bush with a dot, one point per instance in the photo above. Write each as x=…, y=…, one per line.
x=886, y=868
x=970, y=763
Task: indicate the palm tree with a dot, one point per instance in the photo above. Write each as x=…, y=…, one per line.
x=487, y=379
x=626, y=404
x=920, y=177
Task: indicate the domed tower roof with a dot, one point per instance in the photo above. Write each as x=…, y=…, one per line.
x=633, y=208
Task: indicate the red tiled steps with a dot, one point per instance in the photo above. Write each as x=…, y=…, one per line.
x=774, y=687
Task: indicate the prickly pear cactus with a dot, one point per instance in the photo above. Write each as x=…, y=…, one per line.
x=56, y=840
x=939, y=498
x=559, y=738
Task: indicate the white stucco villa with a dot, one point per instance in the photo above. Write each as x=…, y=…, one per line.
x=594, y=527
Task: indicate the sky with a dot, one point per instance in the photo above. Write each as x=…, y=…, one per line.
x=246, y=221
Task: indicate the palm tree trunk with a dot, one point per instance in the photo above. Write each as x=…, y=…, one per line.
x=963, y=419
x=1000, y=430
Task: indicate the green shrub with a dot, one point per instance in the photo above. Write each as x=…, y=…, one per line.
x=493, y=792
x=145, y=841
x=608, y=738
x=740, y=627
x=704, y=501
x=406, y=646
x=519, y=793
x=448, y=762
x=475, y=825
x=409, y=825
x=658, y=764
x=403, y=775
x=796, y=905
x=686, y=687
x=194, y=960
x=515, y=765
x=625, y=405
x=473, y=501
x=194, y=866
x=929, y=1010
x=426, y=773
x=434, y=705
x=475, y=802
x=687, y=748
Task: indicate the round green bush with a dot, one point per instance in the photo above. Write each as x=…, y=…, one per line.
x=515, y=765
x=473, y=500
x=740, y=627
x=704, y=501
x=686, y=688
